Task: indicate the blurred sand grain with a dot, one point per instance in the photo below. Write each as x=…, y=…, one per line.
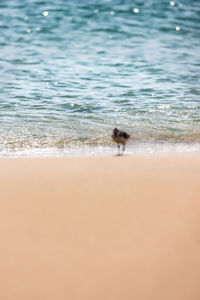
x=105, y=228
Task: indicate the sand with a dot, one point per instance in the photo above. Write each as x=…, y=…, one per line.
x=100, y=228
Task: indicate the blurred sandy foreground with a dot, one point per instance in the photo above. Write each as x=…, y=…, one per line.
x=105, y=228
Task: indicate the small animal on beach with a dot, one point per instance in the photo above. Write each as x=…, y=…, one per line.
x=120, y=137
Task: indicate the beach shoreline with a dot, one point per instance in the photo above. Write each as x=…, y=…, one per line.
x=135, y=148
x=103, y=227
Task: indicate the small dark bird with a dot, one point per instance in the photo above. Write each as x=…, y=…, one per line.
x=121, y=138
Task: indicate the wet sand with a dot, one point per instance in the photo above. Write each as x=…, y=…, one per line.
x=100, y=228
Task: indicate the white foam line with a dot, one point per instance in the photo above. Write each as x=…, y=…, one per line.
x=133, y=149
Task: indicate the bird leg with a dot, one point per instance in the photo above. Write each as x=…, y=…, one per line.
x=118, y=148
x=123, y=149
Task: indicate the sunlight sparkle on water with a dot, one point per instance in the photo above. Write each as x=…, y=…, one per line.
x=171, y=3
x=178, y=28
x=136, y=10
x=45, y=13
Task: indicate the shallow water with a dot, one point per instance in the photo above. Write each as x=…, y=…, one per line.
x=73, y=70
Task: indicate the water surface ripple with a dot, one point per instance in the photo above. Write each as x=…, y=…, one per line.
x=73, y=70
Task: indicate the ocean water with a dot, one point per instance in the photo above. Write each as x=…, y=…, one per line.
x=71, y=71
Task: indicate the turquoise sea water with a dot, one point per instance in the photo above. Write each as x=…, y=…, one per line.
x=71, y=71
